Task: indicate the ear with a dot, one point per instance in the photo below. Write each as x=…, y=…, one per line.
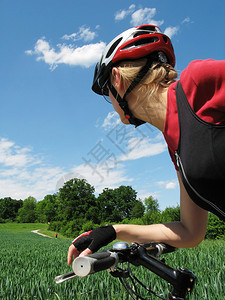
x=116, y=78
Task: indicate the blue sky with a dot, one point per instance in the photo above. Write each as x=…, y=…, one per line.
x=53, y=127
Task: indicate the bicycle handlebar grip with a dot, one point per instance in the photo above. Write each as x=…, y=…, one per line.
x=85, y=265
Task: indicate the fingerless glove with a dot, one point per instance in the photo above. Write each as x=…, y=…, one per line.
x=95, y=239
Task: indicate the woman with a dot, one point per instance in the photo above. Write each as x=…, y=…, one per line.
x=136, y=72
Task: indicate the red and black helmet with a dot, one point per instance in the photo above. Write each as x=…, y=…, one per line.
x=134, y=43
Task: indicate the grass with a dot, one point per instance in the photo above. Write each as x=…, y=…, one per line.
x=27, y=227
x=29, y=264
x=22, y=227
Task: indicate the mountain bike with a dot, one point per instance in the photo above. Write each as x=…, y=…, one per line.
x=117, y=262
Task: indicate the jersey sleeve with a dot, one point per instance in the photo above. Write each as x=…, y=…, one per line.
x=203, y=82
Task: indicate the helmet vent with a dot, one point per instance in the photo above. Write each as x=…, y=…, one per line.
x=149, y=28
x=140, y=32
x=165, y=39
x=113, y=47
x=141, y=42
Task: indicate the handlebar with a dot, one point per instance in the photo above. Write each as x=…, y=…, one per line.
x=83, y=266
x=146, y=255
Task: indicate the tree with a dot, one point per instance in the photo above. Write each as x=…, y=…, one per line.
x=171, y=214
x=107, y=206
x=26, y=213
x=50, y=207
x=116, y=204
x=75, y=199
x=46, y=209
x=9, y=208
x=151, y=205
x=138, y=210
x=215, y=227
x=126, y=198
x=152, y=212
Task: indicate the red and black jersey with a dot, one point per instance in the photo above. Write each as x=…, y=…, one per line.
x=195, y=133
x=203, y=82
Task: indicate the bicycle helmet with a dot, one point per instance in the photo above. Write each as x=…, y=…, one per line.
x=145, y=41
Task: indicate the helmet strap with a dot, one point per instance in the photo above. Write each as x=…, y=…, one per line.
x=123, y=102
x=141, y=74
x=124, y=105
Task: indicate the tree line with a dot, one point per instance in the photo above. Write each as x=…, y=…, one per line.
x=75, y=209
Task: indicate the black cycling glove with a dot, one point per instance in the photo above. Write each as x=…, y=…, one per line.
x=95, y=239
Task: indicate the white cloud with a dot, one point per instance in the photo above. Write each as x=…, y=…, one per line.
x=107, y=174
x=29, y=182
x=169, y=185
x=14, y=156
x=69, y=53
x=72, y=36
x=186, y=20
x=143, y=147
x=145, y=16
x=28, y=175
x=171, y=31
x=111, y=120
x=143, y=194
x=84, y=56
x=24, y=173
x=110, y=171
x=139, y=17
x=84, y=34
x=120, y=15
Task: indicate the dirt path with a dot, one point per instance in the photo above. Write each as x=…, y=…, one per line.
x=36, y=231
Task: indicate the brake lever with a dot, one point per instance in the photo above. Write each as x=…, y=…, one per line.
x=64, y=277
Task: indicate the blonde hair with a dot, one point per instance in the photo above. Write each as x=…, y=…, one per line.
x=159, y=76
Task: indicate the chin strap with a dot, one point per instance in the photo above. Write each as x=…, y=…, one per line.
x=124, y=105
x=123, y=102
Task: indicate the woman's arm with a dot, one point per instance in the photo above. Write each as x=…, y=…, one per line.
x=187, y=233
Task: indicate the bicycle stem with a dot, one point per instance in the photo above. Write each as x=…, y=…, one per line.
x=181, y=279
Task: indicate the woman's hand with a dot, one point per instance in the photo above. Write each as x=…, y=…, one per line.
x=90, y=242
x=73, y=253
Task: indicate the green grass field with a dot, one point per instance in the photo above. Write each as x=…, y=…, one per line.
x=29, y=264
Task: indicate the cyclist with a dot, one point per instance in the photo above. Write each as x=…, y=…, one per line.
x=136, y=73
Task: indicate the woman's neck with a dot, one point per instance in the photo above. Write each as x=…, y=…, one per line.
x=152, y=110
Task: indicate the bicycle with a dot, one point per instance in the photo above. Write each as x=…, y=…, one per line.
x=147, y=255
